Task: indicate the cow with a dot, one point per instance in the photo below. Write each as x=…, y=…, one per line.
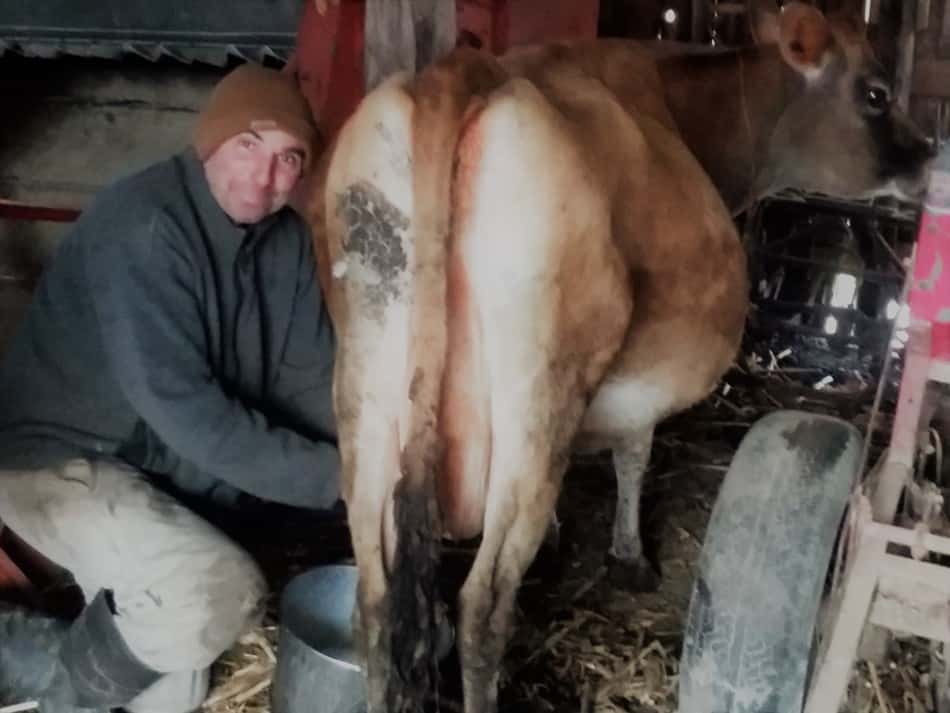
x=529, y=255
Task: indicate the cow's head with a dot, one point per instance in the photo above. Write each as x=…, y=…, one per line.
x=841, y=132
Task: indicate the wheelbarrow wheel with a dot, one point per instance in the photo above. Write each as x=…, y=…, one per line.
x=750, y=630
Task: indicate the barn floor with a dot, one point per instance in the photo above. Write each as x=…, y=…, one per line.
x=581, y=643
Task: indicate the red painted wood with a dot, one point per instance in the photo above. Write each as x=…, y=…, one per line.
x=12, y=578
x=329, y=56
x=13, y=210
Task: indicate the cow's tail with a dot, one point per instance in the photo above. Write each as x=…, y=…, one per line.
x=441, y=96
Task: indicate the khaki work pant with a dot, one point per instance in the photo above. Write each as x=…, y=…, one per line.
x=183, y=591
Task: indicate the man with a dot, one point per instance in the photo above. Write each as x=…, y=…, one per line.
x=177, y=345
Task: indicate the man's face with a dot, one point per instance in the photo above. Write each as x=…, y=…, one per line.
x=252, y=174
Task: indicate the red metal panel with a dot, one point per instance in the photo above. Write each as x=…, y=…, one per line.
x=329, y=62
x=329, y=56
x=525, y=22
x=929, y=297
x=12, y=578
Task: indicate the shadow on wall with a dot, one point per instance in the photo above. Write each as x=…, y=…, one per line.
x=71, y=126
x=25, y=250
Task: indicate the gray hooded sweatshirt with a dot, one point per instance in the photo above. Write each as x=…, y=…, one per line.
x=167, y=336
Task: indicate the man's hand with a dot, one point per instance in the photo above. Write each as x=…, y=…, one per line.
x=324, y=5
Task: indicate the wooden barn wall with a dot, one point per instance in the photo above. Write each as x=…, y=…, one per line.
x=930, y=77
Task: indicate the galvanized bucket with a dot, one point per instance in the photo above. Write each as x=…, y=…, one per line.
x=317, y=669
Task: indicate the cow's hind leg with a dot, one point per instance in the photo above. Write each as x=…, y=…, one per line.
x=628, y=566
x=554, y=306
x=370, y=241
x=513, y=533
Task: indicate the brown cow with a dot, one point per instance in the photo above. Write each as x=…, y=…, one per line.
x=523, y=255
x=811, y=112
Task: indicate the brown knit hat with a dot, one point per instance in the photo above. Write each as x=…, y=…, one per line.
x=253, y=97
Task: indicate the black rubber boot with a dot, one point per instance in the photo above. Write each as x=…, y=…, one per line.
x=104, y=672
x=30, y=669
x=85, y=665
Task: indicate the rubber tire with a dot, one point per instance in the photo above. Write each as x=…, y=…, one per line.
x=761, y=574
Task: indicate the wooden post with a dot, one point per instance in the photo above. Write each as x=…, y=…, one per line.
x=851, y=609
x=405, y=36
x=905, y=53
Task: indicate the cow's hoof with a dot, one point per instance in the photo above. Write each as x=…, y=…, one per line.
x=633, y=575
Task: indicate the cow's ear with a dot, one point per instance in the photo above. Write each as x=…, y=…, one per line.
x=804, y=37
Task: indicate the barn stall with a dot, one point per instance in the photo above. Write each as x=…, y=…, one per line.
x=827, y=281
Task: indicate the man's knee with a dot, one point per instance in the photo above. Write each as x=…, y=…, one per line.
x=237, y=592
x=183, y=591
x=197, y=612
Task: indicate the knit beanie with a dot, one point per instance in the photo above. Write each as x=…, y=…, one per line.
x=253, y=97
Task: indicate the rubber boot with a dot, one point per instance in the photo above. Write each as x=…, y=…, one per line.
x=30, y=669
x=69, y=667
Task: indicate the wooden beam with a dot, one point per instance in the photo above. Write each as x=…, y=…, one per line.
x=913, y=598
x=906, y=40
x=830, y=681
x=932, y=78
x=923, y=15
x=943, y=41
x=903, y=536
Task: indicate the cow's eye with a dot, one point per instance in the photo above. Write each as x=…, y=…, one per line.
x=878, y=98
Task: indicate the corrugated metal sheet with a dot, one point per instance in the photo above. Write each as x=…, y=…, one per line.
x=207, y=31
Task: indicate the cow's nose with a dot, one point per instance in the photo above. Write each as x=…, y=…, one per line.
x=921, y=150
x=924, y=147
x=932, y=149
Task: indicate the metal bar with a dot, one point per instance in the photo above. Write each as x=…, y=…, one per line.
x=874, y=336
x=885, y=207
x=822, y=310
x=900, y=458
x=13, y=210
x=866, y=275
